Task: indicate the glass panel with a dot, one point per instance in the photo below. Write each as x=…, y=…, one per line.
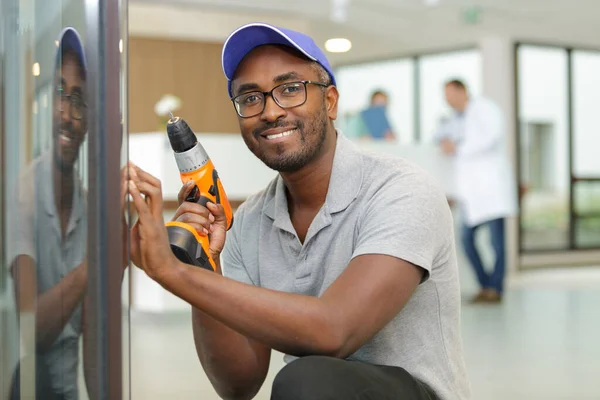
x=44, y=132
x=357, y=84
x=586, y=98
x=587, y=233
x=435, y=71
x=586, y=142
x=544, y=148
x=125, y=292
x=587, y=210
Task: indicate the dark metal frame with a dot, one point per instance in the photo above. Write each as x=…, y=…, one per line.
x=104, y=247
x=573, y=180
x=4, y=271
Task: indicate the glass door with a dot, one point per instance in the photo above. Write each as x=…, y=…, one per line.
x=558, y=141
x=62, y=269
x=585, y=176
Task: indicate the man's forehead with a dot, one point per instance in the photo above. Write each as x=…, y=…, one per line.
x=66, y=66
x=265, y=54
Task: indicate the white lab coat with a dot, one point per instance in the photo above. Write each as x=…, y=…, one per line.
x=485, y=184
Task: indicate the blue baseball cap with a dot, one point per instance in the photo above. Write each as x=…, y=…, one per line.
x=69, y=39
x=247, y=37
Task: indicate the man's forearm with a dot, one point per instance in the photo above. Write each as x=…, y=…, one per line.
x=55, y=306
x=293, y=324
x=235, y=368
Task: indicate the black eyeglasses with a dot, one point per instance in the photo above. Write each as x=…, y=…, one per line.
x=286, y=95
x=77, y=104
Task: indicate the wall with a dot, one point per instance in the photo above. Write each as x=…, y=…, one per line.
x=188, y=69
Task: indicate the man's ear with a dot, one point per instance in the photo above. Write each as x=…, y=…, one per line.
x=331, y=101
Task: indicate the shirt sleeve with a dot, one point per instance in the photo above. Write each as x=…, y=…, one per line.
x=21, y=220
x=409, y=218
x=232, y=263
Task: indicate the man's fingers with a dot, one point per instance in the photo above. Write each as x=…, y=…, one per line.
x=153, y=197
x=192, y=208
x=150, y=186
x=200, y=223
x=138, y=201
x=143, y=175
x=218, y=212
x=184, y=191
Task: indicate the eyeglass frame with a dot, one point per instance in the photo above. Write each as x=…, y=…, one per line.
x=270, y=93
x=68, y=97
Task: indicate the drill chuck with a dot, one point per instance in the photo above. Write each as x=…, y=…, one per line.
x=181, y=137
x=189, y=153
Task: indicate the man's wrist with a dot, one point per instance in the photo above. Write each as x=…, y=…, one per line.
x=171, y=267
x=217, y=261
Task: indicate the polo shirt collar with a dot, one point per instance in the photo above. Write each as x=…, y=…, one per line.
x=344, y=184
x=46, y=164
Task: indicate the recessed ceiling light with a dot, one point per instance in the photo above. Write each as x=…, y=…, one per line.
x=338, y=45
x=36, y=69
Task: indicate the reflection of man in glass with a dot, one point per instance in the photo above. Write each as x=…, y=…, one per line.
x=49, y=244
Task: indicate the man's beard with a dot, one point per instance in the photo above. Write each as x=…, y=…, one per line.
x=312, y=138
x=64, y=166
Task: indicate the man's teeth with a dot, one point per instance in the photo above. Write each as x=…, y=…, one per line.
x=282, y=134
x=65, y=138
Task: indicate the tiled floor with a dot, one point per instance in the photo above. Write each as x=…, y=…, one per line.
x=542, y=342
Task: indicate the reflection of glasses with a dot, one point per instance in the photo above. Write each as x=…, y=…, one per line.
x=77, y=106
x=286, y=95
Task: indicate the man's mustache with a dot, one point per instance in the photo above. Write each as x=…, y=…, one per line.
x=277, y=124
x=68, y=128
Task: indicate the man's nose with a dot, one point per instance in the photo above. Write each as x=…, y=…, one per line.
x=272, y=111
x=65, y=113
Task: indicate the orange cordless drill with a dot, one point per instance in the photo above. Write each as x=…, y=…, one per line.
x=189, y=245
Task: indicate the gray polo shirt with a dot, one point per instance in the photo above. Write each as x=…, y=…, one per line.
x=38, y=235
x=375, y=204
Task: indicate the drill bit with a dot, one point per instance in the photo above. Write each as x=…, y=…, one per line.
x=171, y=115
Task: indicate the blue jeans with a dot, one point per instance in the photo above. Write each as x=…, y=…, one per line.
x=495, y=280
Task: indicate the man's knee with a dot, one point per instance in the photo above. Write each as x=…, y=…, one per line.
x=311, y=377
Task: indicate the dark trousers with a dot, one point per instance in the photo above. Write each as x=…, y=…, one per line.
x=328, y=378
x=495, y=279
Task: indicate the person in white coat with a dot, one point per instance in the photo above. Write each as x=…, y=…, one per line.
x=485, y=185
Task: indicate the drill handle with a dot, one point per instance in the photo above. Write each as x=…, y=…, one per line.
x=196, y=197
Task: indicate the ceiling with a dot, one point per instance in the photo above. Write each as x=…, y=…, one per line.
x=380, y=28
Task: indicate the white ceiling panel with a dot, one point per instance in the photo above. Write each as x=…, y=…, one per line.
x=383, y=28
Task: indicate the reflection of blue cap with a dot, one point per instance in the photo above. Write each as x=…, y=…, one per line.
x=69, y=39
x=249, y=36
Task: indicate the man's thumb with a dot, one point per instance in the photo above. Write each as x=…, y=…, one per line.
x=218, y=212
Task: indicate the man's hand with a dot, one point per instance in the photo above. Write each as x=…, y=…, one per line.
x=209, y=220
x=389, y=135
x=448, y=146
x=150, y=248
x=124, y=225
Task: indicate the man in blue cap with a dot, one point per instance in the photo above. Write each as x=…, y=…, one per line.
x=345, y=262
x=47, y=252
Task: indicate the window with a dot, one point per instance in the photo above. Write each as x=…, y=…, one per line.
x=544, y=143
x=558, y=90
x=356, y=83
